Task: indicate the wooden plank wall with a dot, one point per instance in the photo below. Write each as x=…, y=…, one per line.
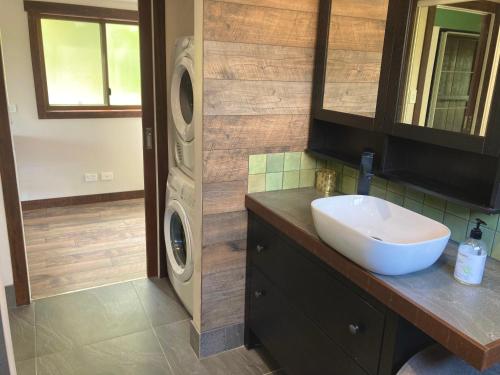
x=258, y=68
x=356, y=40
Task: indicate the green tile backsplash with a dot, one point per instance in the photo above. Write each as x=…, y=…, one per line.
x=257, y=164
x=307, y=161
x=291, y=179
x=292, y=161
x=274, y=181
x=256, y=182
x=275, y=163
x=291, y=170
x=283, y=170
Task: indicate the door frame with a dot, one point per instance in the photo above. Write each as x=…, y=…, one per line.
x=161, y=124
x=155, y=147
x=12, y=204
x=154, y=124
x=438, y=67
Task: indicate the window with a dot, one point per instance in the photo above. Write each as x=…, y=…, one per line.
x=86, y=61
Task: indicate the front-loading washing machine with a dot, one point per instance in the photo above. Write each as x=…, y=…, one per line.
x=179, y=236
x=182, y=105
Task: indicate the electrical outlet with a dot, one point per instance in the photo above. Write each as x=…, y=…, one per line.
x=107, y=176
x=90, y=177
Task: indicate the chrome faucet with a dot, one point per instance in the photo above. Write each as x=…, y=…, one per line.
x=365, y=173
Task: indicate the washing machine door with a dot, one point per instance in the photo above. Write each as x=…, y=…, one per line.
x=182, y=97
x=178, y=240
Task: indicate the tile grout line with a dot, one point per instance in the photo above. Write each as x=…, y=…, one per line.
x=152, y=328
x=92, y=343
x=89, y=288
x=74, y=346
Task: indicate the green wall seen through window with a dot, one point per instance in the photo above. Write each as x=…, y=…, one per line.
x=456, y=20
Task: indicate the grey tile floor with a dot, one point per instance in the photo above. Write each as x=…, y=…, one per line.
x=133, y=328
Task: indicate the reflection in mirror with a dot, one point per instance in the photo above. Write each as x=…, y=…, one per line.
x=452, y=66
x=356, y=40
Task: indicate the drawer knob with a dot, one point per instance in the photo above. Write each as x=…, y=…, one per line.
x=259, y=293
x=260, y=248
x=353, y=329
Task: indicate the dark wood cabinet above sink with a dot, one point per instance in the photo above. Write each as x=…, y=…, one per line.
x=354, y=43
x=444, y=66
x=424, y=96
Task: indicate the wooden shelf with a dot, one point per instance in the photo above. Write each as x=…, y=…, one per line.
x=416, y=182
x=437, y=189
x=331, y=155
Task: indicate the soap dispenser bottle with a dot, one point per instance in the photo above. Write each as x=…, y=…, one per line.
x=471, y=258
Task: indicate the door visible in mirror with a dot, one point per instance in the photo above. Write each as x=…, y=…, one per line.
x=451, y=66
x=355, y=43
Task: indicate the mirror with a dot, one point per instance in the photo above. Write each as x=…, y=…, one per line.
x=452, y=66
x=355, y=44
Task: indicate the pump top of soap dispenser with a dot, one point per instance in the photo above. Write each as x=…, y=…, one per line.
x=476, y=232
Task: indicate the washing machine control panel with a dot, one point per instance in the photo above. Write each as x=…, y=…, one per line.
x=187, y=195
x=181, y=186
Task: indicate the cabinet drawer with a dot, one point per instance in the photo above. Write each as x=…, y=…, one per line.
x=349, y=320
x=294, y=341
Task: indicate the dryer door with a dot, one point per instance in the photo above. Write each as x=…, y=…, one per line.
x=182, y=97
x=178, y=240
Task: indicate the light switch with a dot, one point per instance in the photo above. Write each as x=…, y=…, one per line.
x=12, y=108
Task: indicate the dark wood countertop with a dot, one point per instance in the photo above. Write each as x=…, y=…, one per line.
x=464, y=319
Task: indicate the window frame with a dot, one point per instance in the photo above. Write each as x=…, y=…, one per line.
x=40, y=10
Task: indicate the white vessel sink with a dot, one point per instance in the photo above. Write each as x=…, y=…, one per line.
x=379, y=235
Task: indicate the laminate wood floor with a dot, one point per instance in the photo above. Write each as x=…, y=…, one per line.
x=84, y=246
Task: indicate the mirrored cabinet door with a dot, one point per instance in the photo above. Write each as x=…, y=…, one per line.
x=354, y=56
x=451, y=68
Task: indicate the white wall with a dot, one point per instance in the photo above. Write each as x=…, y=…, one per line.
x=5, y=264
x=53, y=155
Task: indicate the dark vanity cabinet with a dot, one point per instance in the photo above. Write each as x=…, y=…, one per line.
x=424, y=95
x=314, y=321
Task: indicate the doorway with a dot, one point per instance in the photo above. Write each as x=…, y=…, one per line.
x=83, y=246
x=451, y=99
x=113, y=229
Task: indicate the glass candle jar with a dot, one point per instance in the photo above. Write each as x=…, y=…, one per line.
x=325, y=181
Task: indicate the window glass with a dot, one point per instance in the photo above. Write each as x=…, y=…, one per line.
x=73, y=62
x=123, y=64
